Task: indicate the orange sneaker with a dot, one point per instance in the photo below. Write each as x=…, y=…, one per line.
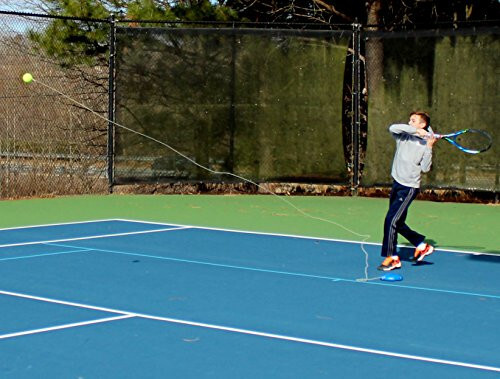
x=419, y=255
x=389, y=264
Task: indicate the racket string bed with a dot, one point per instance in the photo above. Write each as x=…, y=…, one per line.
x=471, y=141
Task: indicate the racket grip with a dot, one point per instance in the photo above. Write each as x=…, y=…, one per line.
x=434, y=135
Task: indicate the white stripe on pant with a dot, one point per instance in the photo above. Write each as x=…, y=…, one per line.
x=395, y=219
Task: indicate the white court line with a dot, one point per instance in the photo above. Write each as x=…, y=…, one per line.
x=322, y=343
x=62, y=302
x=65, y=326
x=126, y=314
x=299, y=236
x=94, y=237
x=237, y=231
x=250, y=232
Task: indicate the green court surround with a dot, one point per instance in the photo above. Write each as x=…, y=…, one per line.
x=468, y=227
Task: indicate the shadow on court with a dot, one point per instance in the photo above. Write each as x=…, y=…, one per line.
x=485, y=258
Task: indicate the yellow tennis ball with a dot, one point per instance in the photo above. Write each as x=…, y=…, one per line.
x=27, y=78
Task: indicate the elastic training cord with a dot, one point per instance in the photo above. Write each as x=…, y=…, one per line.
x=364, y=237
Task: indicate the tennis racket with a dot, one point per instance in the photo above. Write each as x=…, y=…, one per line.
x=471, y=141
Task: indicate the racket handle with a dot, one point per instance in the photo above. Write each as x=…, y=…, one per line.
x=434, y=135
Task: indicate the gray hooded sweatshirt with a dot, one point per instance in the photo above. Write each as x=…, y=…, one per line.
x=412, y=156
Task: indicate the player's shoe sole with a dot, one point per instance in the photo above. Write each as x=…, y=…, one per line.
x=420, y=255
x=394, y=264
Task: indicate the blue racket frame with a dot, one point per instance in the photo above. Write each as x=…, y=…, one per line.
x=452, y=138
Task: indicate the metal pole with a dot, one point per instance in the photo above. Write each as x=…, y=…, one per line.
x=111, y=104
x=232, y=109
x=356, y=103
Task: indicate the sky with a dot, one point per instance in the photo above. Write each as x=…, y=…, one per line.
x=27, y=6
x=17, y=6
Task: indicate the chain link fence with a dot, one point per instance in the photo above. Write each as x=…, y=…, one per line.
x=48, y=144
x=274, y=106
x=452, y=74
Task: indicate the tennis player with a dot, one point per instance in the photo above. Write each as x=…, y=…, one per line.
x=412, y=158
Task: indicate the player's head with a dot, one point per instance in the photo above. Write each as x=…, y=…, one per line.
x=420, y=120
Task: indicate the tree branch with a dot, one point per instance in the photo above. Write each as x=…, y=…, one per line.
x=331, y=8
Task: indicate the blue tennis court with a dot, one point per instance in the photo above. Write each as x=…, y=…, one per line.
x=130, y=299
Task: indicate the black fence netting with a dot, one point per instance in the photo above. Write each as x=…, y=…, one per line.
x=263, y=104
x=452, y=74
x=270, y=105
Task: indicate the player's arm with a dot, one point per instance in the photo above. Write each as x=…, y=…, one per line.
x=426, y=162
x=403, y=129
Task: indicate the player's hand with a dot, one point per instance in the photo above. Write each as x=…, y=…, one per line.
x=431, y=140
x=422, y=133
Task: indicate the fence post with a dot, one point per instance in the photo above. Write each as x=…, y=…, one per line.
x=232, y=109
x=356, y=103
x=111, y=103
